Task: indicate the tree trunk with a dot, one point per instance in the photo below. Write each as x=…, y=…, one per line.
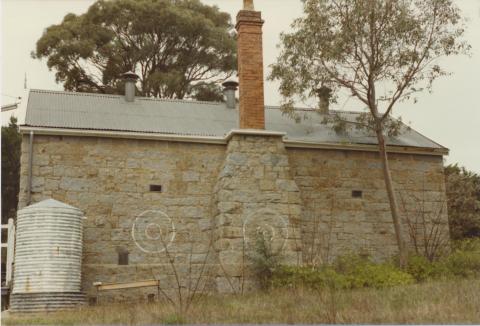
x=391, y=197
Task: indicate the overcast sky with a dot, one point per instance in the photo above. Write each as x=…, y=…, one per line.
x=449, y=116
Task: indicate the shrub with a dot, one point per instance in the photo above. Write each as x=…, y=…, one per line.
x=464, y=261
x=348, y=272
x=354, y=271
x=422, y=269
x=362, y=272
x=265, y=261
x=302, y=276
x=472, y=244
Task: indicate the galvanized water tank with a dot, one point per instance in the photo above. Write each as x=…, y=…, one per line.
x=48, y=257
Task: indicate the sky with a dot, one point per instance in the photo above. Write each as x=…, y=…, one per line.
x=450, y=115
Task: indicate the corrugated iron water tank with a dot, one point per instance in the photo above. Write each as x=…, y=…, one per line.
x=48, y=257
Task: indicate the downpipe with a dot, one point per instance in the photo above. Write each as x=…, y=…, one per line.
x=30, y=169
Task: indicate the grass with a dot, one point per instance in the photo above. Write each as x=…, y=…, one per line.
x=452, y=302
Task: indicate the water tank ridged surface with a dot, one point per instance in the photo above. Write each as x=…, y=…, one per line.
x=48, y=251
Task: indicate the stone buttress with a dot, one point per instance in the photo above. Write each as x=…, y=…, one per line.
x=255, y=196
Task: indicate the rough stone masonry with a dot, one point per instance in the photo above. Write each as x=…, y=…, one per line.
x=253, y=182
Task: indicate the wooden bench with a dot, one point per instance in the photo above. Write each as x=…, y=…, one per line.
x=127, y=285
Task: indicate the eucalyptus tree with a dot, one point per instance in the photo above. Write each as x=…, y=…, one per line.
x=381, y=51
x=179, y=48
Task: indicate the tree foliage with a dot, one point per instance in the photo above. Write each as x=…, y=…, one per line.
x=11, y=142
x=177, y=47
x=463, y=193
x=381, y=51
x=364, y=45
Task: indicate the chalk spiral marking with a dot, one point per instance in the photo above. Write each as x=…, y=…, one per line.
x=268, y=223
x=153, y=231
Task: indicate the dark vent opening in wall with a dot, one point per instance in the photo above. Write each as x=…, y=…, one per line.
x=123, y=258
x=156, y=188
x=150, y=298
x=92, y=301
x=357, y=193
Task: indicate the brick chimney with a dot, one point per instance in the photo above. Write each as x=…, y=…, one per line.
x=250, y=67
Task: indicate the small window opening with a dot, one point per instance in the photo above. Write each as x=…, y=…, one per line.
x=123, y=258
x=156, y=188
x=357, y=193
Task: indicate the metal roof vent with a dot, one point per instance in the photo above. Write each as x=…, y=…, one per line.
x=130, y=79
x=324, y=94
x=229, y=89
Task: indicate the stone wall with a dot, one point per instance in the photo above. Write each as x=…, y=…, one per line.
x=336, y=222
x=109, y=179
x=215, y=198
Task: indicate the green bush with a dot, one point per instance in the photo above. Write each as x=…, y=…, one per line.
x=362, y=272
x=419, y=267
x=264, y=261
x=462, y=263
x=422, y=269
x=301, y=276
x=354, y=271
x=379, y=276
x=471, y=245
x=349, y=272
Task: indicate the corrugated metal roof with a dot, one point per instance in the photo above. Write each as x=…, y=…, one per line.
x=56, y=109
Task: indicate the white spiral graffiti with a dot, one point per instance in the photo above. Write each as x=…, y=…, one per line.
x=153, y=231
x=268, y=223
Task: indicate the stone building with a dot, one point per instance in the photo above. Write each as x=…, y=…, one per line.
x=171, y=186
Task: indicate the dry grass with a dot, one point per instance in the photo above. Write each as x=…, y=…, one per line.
x=455, y=302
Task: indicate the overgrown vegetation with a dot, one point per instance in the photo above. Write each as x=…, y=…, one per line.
x=355, y=271
x=427, y=303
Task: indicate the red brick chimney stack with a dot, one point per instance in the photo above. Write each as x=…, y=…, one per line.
x=250, y=67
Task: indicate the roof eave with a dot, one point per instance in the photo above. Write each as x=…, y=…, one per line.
x=48, y=131
x=223, y=140
x=367, y=147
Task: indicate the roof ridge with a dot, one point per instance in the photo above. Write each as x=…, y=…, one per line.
x=35, y=90
x=278, y=107
x=142, y=98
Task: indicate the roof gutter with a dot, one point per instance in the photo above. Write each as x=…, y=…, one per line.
x=122, y=134
x=223, y=140
x=367, y=147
